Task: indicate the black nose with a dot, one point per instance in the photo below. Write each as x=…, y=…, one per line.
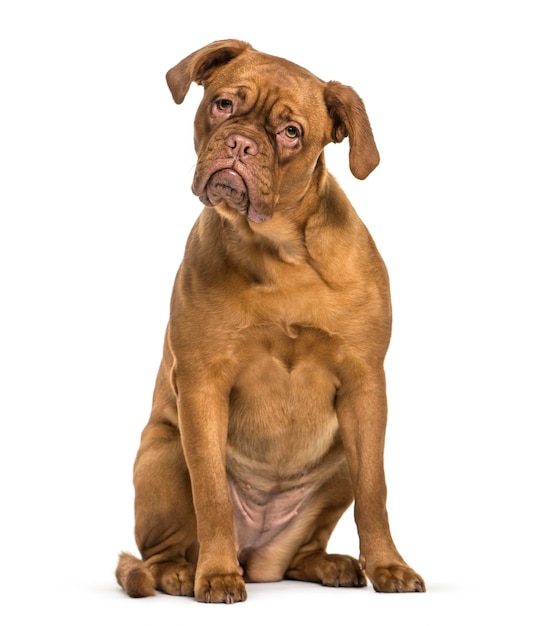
x=240, y=145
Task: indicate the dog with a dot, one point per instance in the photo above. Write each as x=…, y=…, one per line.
x=269, y=410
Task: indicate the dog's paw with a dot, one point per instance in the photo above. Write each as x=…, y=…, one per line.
x=177, y=578
x=220, y=588
x=331, y=570
x=396, y=579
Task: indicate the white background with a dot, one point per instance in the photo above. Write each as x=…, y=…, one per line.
x=96, y=167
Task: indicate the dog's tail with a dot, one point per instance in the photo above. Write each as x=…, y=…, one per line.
x=134, y=576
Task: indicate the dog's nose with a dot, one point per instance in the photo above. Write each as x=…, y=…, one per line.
x=241, y=145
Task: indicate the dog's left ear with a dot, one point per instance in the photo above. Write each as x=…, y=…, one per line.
x=200, y=65
x=347, y=111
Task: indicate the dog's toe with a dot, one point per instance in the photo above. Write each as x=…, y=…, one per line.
x=175, y=578
x=220, y=588
x=396, y=579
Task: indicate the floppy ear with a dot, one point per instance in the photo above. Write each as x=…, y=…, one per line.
x=199, y=65
x=347, y=111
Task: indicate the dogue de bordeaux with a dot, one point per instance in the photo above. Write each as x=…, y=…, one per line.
x=269, y=411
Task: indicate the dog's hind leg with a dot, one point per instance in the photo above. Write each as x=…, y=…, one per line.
x=311, y=562
x=165, y=526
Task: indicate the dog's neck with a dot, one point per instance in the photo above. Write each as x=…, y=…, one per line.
x=283, y=236
x=264, y=253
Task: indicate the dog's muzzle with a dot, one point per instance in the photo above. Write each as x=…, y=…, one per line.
x=232, y=175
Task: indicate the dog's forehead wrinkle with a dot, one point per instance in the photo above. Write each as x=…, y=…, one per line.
x=241, y=92
x=278, y=106
x=267, y=75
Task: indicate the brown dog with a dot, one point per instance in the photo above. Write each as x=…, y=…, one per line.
x=269, y=410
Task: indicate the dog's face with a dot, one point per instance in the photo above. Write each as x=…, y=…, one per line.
x=261, y=128
x=256, y=136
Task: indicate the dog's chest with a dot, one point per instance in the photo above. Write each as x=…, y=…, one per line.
x=282, y=404
x=283, y=439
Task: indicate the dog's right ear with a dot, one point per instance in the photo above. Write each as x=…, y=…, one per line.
x=199, y=66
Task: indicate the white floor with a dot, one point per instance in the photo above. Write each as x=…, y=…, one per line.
x=100, y=603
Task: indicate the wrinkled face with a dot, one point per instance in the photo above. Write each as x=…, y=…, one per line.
x=259, y=133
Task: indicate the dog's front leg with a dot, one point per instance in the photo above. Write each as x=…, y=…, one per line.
x=203, y=419
x=362, y=413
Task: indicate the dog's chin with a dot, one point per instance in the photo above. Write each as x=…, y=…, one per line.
x=228, y=187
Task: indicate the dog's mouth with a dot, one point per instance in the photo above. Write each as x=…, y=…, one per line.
x=229, y=186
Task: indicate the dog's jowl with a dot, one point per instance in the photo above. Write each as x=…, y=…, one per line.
x=269, y=409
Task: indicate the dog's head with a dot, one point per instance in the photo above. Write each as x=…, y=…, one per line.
x=262, y=126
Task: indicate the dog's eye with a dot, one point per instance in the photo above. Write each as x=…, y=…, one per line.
x=290, y=135
x=224, y=105
x=291, y=132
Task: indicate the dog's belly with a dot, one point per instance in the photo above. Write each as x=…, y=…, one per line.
x=283, y=439
x=260, y=516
